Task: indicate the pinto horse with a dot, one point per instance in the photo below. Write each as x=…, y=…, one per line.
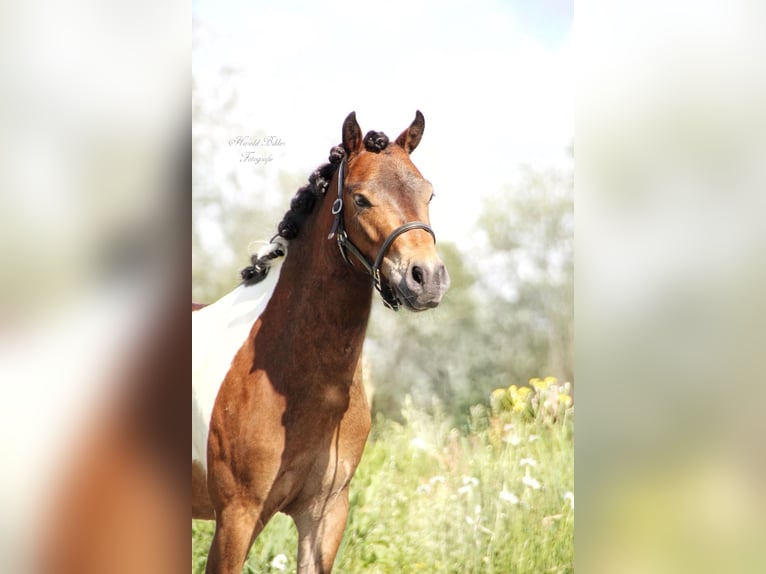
x=279, y=413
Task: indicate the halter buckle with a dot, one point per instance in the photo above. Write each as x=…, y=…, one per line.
x=341, y=238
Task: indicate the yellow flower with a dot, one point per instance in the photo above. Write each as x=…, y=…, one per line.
x=498, y=400
x=539, y=384
x=551, y=381
x=524, y=393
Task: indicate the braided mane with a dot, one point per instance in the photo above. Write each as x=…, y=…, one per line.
x=301, y=205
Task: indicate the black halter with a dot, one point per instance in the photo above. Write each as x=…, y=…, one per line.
x=345, y=245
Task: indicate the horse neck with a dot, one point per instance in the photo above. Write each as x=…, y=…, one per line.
x=320, y=300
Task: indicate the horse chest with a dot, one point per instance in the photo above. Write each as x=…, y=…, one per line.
x=314, y=471
x=323, y=441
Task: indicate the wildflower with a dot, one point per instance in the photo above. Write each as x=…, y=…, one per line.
x=419, y=444
x=500, y=400
x=423, y=489
x=570, y=497
x=508, y=497
x=528, y=462
x=513, y=439
x=538, y=384
x=438, y=478
x=468, y=483
x=533, y=437
x=532, y=483
x=524, y=393
x=279, y=562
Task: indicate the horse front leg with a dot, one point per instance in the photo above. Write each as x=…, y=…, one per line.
x=237, y=525
x=320, y=531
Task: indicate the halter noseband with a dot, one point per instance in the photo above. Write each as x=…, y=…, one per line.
x=345, y=245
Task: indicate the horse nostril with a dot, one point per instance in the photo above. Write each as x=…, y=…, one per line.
x=417, y=275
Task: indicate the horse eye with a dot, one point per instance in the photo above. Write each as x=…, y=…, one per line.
x=361, y=201
x=430, y=199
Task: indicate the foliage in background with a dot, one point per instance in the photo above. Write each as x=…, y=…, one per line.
x=493, y=496
x=509, y=311
x=529, y=280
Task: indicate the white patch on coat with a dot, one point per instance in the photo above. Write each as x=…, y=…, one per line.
x=218, y=332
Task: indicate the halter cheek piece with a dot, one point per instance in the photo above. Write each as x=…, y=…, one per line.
x=346, y=246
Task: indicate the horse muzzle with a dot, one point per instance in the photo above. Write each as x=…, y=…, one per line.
x=423, y=284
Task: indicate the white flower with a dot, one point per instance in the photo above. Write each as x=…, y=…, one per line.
x=470, y=480
x=423, y=488
x=531, y=482
x=528, y=462
x=509, y=497
x=464, y=489
x=279, y=562
x=438, y=478
x=513, y=439
x=419, y=444
x=533, y=437
x=570, y=497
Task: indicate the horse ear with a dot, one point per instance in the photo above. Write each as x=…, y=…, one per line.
x=410, y=138
x=352, y=135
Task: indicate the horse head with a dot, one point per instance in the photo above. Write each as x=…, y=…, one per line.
x=385, y=223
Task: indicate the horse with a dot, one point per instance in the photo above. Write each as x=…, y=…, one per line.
x=279, y=413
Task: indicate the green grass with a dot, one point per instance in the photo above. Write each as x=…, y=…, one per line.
x=427, y=498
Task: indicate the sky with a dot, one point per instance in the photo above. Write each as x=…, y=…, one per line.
x=493, y=79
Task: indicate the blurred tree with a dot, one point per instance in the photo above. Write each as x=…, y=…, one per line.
x=427, y=355
x=528, y=318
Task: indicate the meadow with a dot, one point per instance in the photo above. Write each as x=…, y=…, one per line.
x=491, y=493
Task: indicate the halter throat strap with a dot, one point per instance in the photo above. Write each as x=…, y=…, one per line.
x=346, y=246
